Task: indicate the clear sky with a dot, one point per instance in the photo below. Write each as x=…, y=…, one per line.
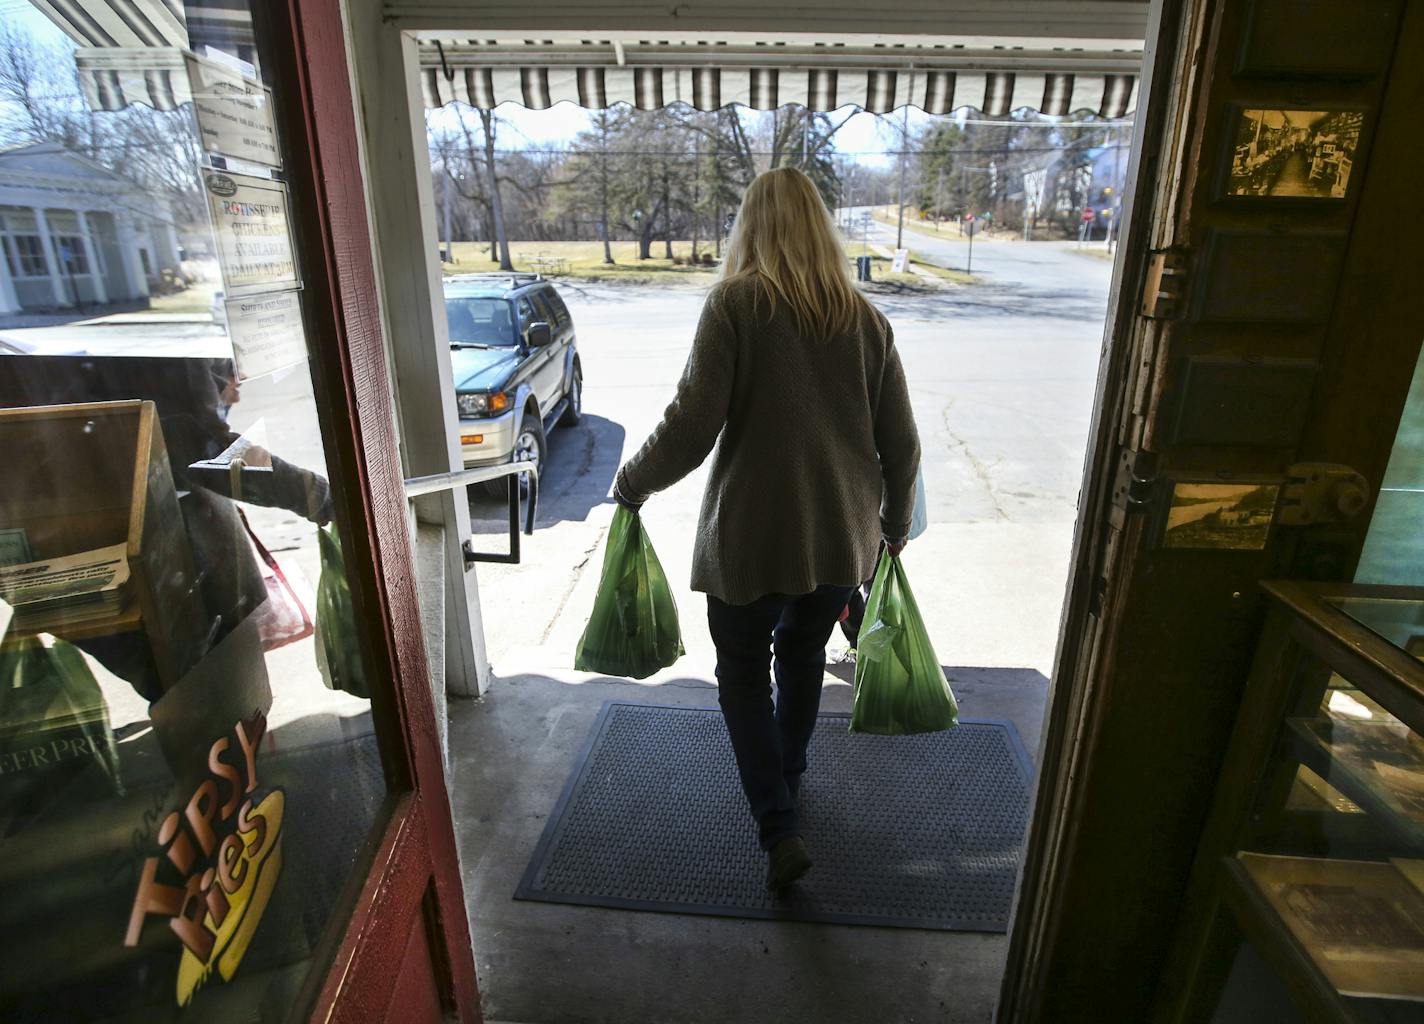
x=26, y=18
x=865, y=138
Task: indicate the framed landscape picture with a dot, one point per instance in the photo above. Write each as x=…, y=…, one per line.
x=1290, y=153
x=1215, y=515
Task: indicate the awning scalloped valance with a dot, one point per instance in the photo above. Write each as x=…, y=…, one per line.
x=114, y=77
x=878, y=90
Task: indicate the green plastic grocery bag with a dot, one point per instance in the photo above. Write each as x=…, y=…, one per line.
x=633, y=630
x=899, y=685
x=337, y=656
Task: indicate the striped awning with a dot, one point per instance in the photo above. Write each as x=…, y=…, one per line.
x=131, y=51
x=996, y=94
x=115, y=77
x=1054, y=77
x=122, y=23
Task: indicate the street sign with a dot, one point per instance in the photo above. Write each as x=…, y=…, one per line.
x=1107, y=212
x=1033, y=185
x=1089, y=214
x=968, y=217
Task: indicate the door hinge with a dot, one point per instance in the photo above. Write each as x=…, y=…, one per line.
x=1321, y=492
x=1166, y=284
x=1136, y=485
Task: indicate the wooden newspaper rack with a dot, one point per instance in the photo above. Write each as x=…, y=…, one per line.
x=87, y=477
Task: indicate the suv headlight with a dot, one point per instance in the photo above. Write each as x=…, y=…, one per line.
x=476, y=403
x=471, y=405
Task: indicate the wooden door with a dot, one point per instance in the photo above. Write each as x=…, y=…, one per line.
x=1265, y=316
x=405, y=953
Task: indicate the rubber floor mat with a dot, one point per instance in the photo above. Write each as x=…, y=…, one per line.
x=905, y=831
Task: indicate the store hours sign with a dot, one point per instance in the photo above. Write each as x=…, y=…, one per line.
x=234, y=113
x=254, y=235
x=266, y=333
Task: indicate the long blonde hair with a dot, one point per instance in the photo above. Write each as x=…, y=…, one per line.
x=785, y=240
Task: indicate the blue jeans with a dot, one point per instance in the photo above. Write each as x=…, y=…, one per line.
x=770, y=741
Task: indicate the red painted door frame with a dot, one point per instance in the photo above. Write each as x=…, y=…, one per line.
x=410, y=904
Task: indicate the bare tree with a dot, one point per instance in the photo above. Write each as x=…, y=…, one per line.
x=157, y=150
x=470, y=166
x=40, y=87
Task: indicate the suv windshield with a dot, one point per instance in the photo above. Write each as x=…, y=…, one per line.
x=479, y=322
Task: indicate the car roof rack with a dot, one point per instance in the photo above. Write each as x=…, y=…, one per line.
x=516, y=278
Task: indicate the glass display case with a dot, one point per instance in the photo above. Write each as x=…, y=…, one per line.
x=1308, y=892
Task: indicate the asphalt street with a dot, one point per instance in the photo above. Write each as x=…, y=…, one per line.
x=1001, y=376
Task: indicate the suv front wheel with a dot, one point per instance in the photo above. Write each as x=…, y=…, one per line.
x=529, y=446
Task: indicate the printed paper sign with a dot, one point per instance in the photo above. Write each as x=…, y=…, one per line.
x=902, y=259
x=253, y=234
x=234, y=113
x=66, y=579
x=266, y=333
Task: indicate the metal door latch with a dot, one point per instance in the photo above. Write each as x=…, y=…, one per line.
x=1321, y=492
x=1166, y=284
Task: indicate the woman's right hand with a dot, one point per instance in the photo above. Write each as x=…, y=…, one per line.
x=896, y=546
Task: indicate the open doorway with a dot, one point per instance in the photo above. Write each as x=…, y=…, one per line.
x=972, y=199
x=1008, y=231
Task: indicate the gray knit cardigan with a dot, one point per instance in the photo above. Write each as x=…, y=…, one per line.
x=815, y=448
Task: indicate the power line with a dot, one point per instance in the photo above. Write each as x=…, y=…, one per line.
x=1006, y=151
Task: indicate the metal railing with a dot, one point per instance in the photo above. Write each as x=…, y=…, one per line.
x=435, y=483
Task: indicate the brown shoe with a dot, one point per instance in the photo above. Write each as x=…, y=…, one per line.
x=787, y=862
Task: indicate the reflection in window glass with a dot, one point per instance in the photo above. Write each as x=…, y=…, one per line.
x=188, y=769
x=1394, y=546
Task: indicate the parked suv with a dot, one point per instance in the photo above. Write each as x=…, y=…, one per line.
x=517, y=371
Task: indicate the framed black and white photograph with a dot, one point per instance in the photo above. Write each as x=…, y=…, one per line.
x=1290, y=153
x=1213, y=515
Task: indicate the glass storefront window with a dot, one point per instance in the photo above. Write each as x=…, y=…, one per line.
x=1394, y=545
x=188, y=766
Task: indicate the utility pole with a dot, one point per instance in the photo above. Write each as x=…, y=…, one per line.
x=445, y=203
x=904, y=144
x=850, y=199
x=603, y=187
x=939, y=194
x=696, y=192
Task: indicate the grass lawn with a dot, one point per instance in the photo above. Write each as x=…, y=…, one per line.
x=881, y=268
x=585, y=260
x=585, y=263
x=943, y=273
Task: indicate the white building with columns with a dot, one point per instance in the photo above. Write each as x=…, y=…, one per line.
x=76, y=235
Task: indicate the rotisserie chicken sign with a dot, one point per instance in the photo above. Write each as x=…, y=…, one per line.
x=219, y=858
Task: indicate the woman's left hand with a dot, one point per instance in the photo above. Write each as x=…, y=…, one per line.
x=629, y=505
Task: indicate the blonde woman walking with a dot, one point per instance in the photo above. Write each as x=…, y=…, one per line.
x=794, y=378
